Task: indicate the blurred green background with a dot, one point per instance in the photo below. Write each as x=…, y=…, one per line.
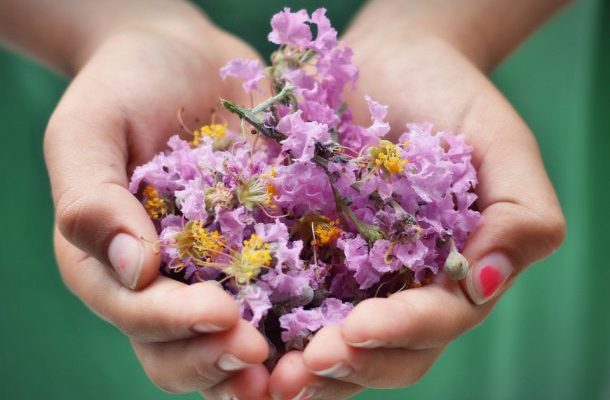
x=549, y=338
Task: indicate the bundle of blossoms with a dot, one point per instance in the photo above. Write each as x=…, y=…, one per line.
x=302, y=213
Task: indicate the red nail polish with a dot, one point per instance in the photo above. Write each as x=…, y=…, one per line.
x=491, y=278
x=487, y=276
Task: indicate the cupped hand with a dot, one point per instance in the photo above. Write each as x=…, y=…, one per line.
x=117, y=113
x=392, y=342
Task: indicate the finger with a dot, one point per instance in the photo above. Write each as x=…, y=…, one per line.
x=328, y=355
x=202, y=362
x=165, y=310
x=86, y=153
x=522, y=218
x=292, y=380
x=251, y=383
x=421, y=318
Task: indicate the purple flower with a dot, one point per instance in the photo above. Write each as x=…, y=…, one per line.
x=303, y=187
x=300, y=323
x=290, y=28
x=251, y=71
x=292, y=284
x=232, y=224
x=381, y=257
x=302, y=136
x=191, y=200
x=358, y=261
x=253, y=303
x=326, y=37
x=379, y=128
x=275, y=232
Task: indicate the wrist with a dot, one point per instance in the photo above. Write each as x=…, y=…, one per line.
x=176, y=19
x=484, y=31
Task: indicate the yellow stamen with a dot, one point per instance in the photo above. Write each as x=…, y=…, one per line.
x=327, y=233
x=387, y=156
x=196, y=242
x=271, y=192
x=271, y=189
x=214, y=131
x=254, y=256
x=155, y=206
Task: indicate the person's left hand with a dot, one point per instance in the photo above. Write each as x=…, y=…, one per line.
x=391, y=343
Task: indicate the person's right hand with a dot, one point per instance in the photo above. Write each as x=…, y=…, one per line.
x=118, y=112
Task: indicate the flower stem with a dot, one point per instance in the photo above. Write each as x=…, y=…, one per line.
x=369, y=232
x=285, y=94
x=253, y=120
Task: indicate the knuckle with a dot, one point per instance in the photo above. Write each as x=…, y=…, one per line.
x=161, y=380
x=206, y=376
x=417, y=375
x=415, y=311
x=556, y=229
x=551, y=228
x=69, y=211
x=133, y=327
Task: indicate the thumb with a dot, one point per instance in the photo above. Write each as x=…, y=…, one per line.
x=86, y=155
x=522, y=218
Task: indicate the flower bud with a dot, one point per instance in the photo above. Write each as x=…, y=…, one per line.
x=456, y=265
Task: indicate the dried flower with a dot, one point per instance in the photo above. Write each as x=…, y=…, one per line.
x=318, y=212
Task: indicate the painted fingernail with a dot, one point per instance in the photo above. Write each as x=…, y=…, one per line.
x=204, y=327
x=305, y=394
x=368, y=344
x=339, y=370
x=126, y=254
x=488, y=276
x=228, y=362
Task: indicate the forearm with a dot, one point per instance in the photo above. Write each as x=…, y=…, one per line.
x=486, y=31
x=63, y=33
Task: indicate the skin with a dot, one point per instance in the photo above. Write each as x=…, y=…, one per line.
x=133, y=74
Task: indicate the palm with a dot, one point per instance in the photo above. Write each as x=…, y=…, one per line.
x=156, y=76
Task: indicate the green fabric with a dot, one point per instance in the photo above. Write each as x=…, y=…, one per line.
x=547, y=339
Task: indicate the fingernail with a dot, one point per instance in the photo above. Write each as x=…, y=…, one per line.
x=228, y=362
x=126, y=255
x=488, y=276
x=339, y=370
x=368, y=344
x=227, y=396
x=305, y=394
x=204, y=327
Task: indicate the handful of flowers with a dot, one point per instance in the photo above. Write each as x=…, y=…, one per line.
x=304, y=213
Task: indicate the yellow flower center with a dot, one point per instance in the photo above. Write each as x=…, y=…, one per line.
x=198, y=243
x=155, y=206
x=387, y=156
x=255, y=255
x=214, y=131
x=326, y=233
